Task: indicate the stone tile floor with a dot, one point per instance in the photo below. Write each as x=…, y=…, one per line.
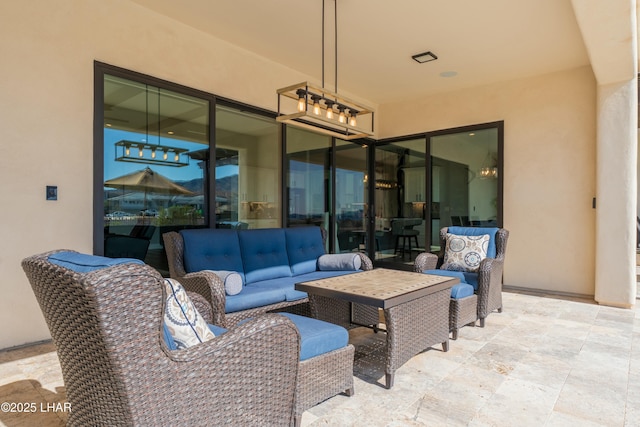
x=543, y=361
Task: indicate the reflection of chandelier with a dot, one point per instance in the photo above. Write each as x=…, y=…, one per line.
x=147, y=153
x=316, y=108
x=385, y=184
x=488, y=168
x=140, y=152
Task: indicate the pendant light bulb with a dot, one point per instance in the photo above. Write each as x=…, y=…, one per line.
x=316, y=105
x=302, y=102
x=153, y=153
x=164, y=155
x=329, y=108
x=127, y=150
x=342, y=118
x=140, y=150
x=352, y=118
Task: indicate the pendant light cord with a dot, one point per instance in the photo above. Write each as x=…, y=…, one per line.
x=323, y=44
x=335, y=35
x=335, y=29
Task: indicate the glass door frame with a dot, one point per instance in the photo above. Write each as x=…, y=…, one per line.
x=498, y=125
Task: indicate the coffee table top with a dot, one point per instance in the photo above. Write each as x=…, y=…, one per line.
x=380, y=287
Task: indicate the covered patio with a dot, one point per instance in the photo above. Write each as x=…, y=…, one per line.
x=543, y=361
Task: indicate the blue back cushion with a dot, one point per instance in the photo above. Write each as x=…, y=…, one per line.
x=83, y=263
x=478, y=231
x=264, y=254
x=304, y=246
x=212, y=249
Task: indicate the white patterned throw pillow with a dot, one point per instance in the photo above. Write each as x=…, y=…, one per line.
x=464, y=253
x=182, y=319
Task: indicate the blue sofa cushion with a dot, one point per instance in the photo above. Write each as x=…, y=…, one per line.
x=304, y=246
x=84, y=263
x=465, y=277
x=264, y=254
x=318, y=337
x=212, y=249
x=252, y=297
x=478, y=231
x=286, y=285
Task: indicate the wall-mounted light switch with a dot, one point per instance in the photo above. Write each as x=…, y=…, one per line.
x=52, y=192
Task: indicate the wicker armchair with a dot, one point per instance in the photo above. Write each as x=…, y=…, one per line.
x=489, y=279
x=107, y=328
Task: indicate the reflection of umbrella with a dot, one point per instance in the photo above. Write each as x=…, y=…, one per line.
x=148, y=181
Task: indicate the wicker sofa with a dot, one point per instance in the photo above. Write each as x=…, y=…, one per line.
x=106, y=325
x=270, y=262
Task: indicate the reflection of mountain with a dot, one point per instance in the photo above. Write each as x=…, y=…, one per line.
x=226, y=185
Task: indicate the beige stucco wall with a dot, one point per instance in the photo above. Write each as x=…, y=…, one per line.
x=549, y=176
x=46, y=111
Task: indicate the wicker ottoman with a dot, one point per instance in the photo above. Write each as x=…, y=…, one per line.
x=463, y=308
x=323, y=372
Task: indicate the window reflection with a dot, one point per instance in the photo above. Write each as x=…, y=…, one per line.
x=155, y=154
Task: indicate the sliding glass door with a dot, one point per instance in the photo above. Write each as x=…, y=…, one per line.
x=400, y=201
x=465, y=180
x=449, y=177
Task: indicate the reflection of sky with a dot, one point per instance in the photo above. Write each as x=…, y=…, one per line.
x=114, y=169
x=226, y=170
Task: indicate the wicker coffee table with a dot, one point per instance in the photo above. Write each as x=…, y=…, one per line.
x=416, y=308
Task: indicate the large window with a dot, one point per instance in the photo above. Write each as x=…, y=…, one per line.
x=163, y=166
x=308, y=178
x=155, y=152
x=247, y=170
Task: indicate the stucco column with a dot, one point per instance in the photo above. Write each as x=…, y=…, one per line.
x=616, y=187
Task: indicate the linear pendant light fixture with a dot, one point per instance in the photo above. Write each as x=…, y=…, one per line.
x=312, y=107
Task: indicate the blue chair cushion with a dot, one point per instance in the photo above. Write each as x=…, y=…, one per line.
x=200, y=254
x=461, y=290
x=84, y=263
x=264, y=254
x=468, y=278
x=304, y=246
x=318, y=337
x=478, y=231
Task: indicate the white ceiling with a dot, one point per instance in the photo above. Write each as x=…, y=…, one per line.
x=483, y=41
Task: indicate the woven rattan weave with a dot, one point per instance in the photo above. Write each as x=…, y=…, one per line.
x=117, y=371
